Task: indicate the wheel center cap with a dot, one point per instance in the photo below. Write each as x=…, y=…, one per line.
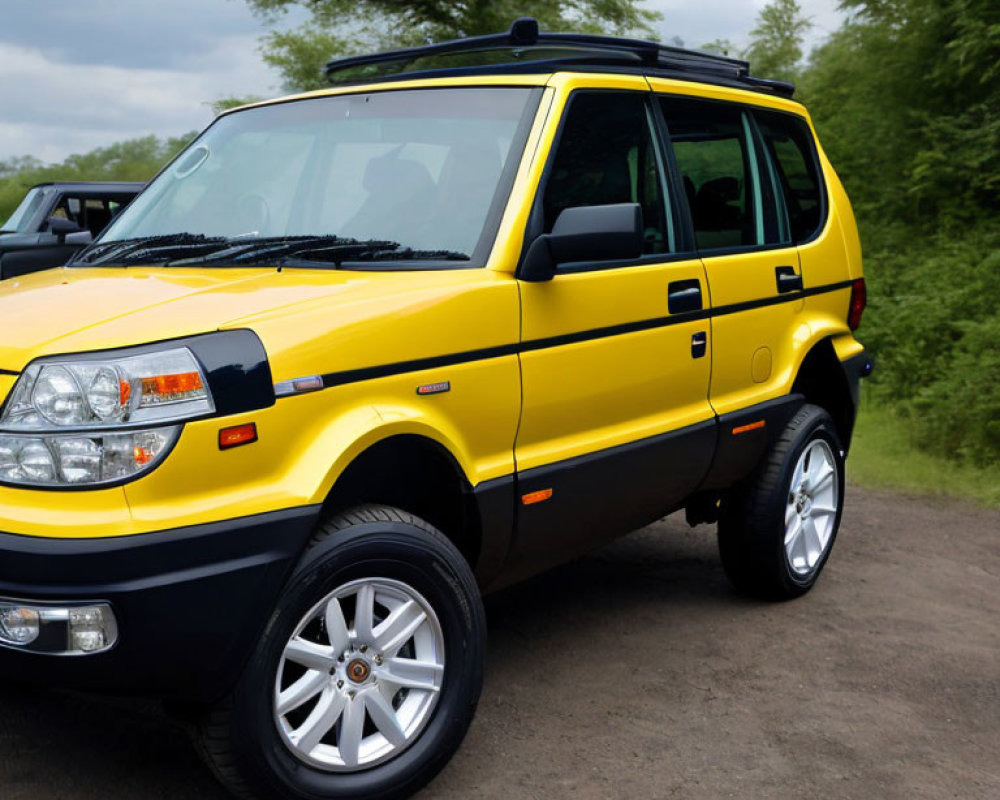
x=358, y=670
x=802, y=502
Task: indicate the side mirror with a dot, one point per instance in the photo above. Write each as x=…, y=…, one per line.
x=80, y=238
x=585, y=233
x=62, y=228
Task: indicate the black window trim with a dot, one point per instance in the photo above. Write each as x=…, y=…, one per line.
x=814, y=162
x=687, y=249
x=753, y=148
x=684, y=236
x=762, y=153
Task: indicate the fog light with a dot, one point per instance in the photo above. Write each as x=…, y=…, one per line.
x=18, y=626
x=92, y=628
x=55, y=630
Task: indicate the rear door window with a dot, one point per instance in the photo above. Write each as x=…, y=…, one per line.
x=716, y=153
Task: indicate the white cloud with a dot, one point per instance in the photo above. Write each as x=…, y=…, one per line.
x=50, y=109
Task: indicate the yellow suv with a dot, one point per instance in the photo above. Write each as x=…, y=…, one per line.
x=357, y=356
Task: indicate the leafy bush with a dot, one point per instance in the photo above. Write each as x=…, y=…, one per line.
x=906, y=100
x=935, y=333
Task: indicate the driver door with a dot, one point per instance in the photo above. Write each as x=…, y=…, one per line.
x=616, y=426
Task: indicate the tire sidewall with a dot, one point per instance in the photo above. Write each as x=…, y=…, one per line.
x=396, y=551
x=816, y=425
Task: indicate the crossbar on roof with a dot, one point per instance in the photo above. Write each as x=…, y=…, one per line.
x=524, y=47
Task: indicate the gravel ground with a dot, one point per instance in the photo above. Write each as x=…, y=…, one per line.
x=637, y=672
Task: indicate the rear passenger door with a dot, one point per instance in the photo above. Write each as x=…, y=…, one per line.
x=752, y=263
x=616, y=427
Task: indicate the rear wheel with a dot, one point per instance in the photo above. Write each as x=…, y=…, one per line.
x=776, y=531
x=368, y=674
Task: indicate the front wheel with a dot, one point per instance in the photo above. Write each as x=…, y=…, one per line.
x=368, y=674
x=777, y=529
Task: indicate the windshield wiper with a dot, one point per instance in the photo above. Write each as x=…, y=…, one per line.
x=193, y=250
x=313, y=251
x=265, y=250
x=147, y=249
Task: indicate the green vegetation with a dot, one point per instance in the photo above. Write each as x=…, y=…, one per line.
x=906, y=100
x=885, y=455
x=776, y=42
x=133, y=160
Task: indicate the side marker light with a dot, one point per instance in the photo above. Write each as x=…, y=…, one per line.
x=434, y=388
x=536, y=497
x=237, y=435
x=753, y=426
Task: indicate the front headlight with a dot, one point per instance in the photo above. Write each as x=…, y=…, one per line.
x=137, y=390
x=88, y=421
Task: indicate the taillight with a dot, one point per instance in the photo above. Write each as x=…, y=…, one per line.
x=859, y=299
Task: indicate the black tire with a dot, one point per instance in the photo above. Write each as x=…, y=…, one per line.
x=752, y=518
x=240, y=739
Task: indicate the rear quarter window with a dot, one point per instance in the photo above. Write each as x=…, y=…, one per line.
x=794, y=168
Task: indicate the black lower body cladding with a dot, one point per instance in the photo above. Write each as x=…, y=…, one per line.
x=190, y=603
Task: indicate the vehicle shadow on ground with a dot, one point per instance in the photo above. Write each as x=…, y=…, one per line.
x=69, y=745
x=666, y=567
x=664, y=574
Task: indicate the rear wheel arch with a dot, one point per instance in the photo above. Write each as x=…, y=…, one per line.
x=822, y=381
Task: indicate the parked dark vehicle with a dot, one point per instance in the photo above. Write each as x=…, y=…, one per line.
x=55, y=220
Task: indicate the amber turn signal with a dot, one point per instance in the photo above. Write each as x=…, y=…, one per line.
x=536, y=497
x=237, y=435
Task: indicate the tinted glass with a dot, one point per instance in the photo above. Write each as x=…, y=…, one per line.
x=714, y=148
x=607, y=154
x=21, y=220
x=419, y=168
x=792, y=162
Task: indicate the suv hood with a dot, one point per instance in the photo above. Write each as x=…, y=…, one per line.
x=76, y=310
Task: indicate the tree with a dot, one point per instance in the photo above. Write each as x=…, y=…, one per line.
x=227, y=103
x=775, y=49
x=339, y=27
x=908, y=104
x=906, y=100
x=131, y=160
x=721, y=47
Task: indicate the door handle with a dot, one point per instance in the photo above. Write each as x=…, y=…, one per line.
x=787, y=280
x=684, y=296
x=699, y=344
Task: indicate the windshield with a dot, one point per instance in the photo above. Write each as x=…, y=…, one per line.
x=403, y=176
x=20, y=221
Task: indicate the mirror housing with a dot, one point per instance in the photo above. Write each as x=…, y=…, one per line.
x=585, y=233
x=80, y=238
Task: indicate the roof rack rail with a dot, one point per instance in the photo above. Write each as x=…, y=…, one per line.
x=524, y=48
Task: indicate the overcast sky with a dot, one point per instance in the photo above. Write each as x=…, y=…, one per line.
x=79, y=75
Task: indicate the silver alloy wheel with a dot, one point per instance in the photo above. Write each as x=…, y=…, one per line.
x=811, y=512
x=360, y=677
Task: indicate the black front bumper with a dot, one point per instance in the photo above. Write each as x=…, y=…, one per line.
x=190, y=602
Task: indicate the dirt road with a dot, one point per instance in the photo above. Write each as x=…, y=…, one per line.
x=637, y=673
